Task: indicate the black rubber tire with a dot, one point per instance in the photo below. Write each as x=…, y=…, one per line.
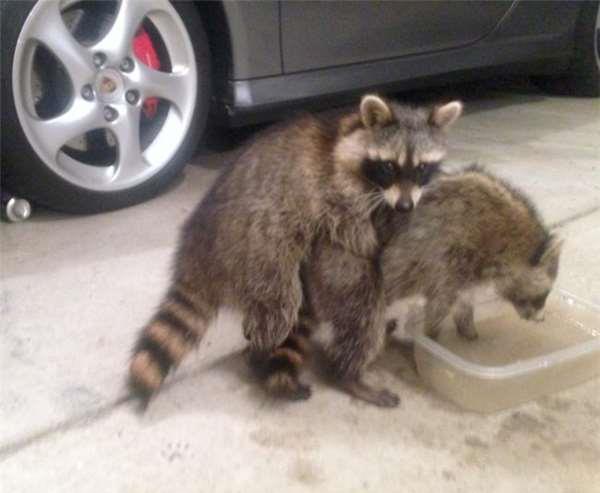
x=583, y=76
x=25, y=175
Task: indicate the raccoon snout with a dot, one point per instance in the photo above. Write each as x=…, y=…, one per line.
x=532, y=315
x=405, y=205
x=538, y=316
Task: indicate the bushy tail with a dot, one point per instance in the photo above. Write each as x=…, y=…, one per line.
x=283, y=365
x=178, y=325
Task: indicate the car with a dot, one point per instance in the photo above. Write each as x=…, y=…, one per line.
x=104, y=102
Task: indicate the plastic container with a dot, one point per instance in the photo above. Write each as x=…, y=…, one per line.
x=513, y=360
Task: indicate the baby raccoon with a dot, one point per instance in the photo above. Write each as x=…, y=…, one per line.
x=471, y=229
x=244, y=244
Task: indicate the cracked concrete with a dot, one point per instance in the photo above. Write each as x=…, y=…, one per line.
x=75, y=290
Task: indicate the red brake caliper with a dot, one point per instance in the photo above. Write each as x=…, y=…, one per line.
x=144, y=51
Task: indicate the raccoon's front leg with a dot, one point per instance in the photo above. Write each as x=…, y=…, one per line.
x=361, y=390
x=357, y=335
x=464, y=320
x=345, y=294
x=352, y=349
x=436, y=310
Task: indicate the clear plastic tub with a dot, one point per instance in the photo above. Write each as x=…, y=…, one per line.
x=513, y=360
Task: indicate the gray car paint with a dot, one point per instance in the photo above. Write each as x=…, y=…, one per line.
x=254, y=31
x=327, y=34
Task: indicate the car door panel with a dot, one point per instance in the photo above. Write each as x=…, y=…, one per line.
x=325, y=34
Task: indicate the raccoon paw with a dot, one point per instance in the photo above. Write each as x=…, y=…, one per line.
x=391, y=326
x=469, y=336
x=467, y=332
x=363, y=391
x=301, y=393
x=385, y=398
x=287, y=386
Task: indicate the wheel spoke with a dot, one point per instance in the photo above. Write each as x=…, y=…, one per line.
x=86, y=175
x=116, y=44
x=50, y=30
x=176, y=87
x=130, y=160
x=54, y=133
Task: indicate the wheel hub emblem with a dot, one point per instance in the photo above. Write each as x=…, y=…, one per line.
x=107, y=85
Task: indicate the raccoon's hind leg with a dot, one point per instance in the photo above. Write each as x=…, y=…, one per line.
x=271, y=301
x=464, y=320
x=267, y=325
x=274, y=350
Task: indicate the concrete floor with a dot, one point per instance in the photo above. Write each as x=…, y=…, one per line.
x=75, y=291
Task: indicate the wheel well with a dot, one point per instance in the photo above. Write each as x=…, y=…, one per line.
x=219, y=39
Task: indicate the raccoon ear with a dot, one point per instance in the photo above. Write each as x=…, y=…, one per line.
x=547, y=255
x=445, y=115
x=375, y=111
x=552, y=250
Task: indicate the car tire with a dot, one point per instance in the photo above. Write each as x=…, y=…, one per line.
x=30, y=173
x=583, y=76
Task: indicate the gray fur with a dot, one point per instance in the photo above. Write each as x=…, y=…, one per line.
x=471, y=229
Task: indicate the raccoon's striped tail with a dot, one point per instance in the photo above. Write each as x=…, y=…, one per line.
x=178, y=325
x=283, y=366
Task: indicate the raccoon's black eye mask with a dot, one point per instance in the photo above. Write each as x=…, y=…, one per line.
x=385, y=173
x=427, y=171
x=380, y=173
